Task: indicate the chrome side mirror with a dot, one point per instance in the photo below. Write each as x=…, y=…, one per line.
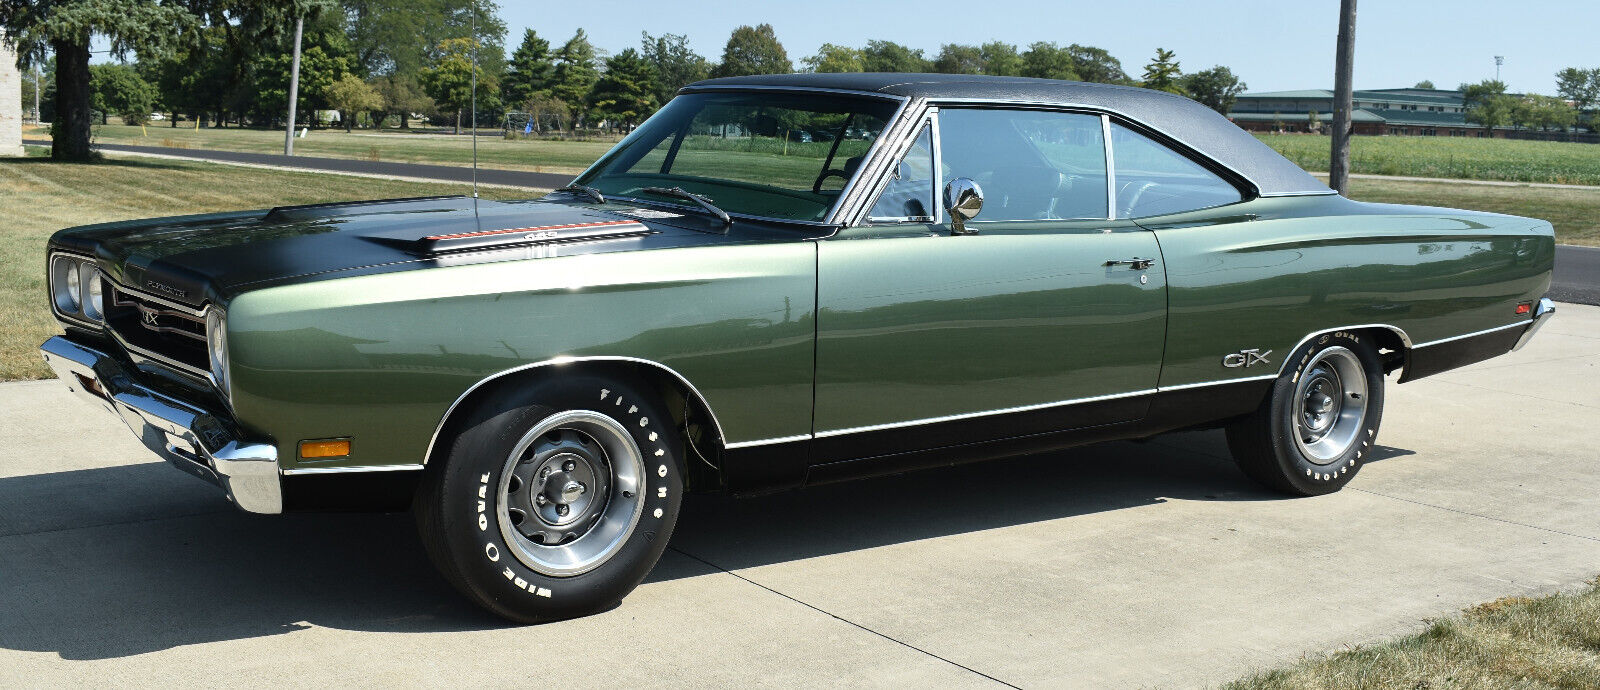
x=963, y=199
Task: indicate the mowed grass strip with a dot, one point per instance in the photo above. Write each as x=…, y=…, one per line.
x=1575, y=213
x=1517, y=642
x=42, y=196
x=1450, y=157
x=393, y=146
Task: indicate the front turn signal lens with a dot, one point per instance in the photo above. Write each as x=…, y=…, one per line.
x=325, y=449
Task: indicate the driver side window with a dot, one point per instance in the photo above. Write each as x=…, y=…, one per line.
x=909, y=192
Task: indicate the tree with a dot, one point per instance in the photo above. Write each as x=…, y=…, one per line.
x=349, y=95
x=1217, y=87
x=888, y=56
x=1095, y=65
x=835, y=58
x=626, y=93
x=1424, y=84
x=119, y=89
x=1492, y=110
x=958, y=59
x=318, y=70
x=543, y=107
x=1163, y=73
x=753, y=50
x=1473, y=95
x=449, y=82
x=1000, y=59
x=1545, y=112
x=64, y=27
x=531, y=69
x=401, y=95
x=575, y=74
x=1045, y=60
x=676, y=64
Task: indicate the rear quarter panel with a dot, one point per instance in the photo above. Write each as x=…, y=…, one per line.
x=381, y=358
x=1267, y=273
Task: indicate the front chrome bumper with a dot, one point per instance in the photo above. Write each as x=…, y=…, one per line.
x=1541, y=315
x=190, y=438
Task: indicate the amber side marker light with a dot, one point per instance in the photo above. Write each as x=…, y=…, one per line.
x=325, y=449
x=1524, y=308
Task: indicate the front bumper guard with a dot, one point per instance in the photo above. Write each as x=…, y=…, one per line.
x=1541, y=316
x=191, y=439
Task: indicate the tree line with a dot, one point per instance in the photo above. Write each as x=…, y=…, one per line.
x=227, y=63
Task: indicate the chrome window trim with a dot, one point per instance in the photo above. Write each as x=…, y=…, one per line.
x=973, y=415
x=846, y=192
x=354, y=469
x=897, y=156
x=439, y=428
x=1111, y=168
x=1485, y=331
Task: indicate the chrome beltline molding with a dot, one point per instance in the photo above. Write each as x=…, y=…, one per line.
x=1485, y=331
x=428, y=453
x=767, y=441
x=972, y=415
x=1223, y=382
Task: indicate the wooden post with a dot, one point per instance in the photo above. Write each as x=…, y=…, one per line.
x=1343, y=96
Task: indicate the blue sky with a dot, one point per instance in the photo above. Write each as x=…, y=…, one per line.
x=1272, y=46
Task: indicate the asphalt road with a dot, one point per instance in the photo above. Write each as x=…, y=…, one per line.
x=447, y=173
x=1118, y=565
x=1577, y=270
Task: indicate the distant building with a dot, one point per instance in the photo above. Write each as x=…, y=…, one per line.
x=1414, y=112
x=10, y=102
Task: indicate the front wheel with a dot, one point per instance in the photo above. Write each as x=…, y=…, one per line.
x=1320, y=422
x=555, y=500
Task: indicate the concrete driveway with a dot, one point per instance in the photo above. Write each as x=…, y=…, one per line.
x=1125, y=564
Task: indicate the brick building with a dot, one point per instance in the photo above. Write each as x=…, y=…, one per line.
x=1414, y=112
x=10, y=102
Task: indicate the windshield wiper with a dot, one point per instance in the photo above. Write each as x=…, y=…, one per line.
x=584, y=190
x=704, y=203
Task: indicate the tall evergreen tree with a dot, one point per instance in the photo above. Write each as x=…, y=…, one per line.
x=626, y=93
x=753, y=50
x=530, y=70
x=575, y=74
x=1163, y=72
x=675, y=63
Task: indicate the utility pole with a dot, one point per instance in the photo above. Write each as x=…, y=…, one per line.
x=294, y=87
x=36, y=77
x=1343, y=96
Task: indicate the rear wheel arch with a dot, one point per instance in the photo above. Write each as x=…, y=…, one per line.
x=692, y=414
x=1394, y=345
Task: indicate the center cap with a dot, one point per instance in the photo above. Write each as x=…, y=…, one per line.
x=571, y=491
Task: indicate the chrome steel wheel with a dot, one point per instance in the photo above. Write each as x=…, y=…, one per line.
x=570, y=493
x=1330, y=405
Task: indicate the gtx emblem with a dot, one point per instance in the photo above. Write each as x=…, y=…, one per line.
x=1245, y=358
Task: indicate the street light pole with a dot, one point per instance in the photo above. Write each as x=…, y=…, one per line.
x=294, y=87
x=1498, y=61
x=1343, y=96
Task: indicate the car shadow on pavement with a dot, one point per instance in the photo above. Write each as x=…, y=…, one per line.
x=113, y=562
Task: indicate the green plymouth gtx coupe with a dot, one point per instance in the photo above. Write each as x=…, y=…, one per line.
x=775, y=282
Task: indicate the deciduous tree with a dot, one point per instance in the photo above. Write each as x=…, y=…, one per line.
x=888, y=56
x=1093, y=64
x=119, y=89
x=835, y=58
x=1045, y=60
x=1000, y=59
x=350, y=96
x=1217, y=87
x=753, y=50
x=450, y=81
x=955, y=58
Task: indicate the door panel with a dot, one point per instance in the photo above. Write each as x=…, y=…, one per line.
x=913, y=328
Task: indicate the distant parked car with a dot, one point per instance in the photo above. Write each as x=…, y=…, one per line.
x=156, y=117
x=975, y=267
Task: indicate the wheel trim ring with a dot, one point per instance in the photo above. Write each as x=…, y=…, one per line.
x=1351, y=412
x=619, y=517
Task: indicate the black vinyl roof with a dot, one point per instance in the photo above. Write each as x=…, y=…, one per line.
x=1184, y=120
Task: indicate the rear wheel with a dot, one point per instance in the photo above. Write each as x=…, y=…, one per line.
x=554, y=500
x=1320, y=421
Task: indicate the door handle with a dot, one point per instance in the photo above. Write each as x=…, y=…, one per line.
x=1135, y=263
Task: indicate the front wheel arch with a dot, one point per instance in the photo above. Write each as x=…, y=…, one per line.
x=691, y=413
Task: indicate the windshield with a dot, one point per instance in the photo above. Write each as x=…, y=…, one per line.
x=763, y=154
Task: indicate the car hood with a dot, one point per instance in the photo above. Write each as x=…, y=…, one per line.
x=194, y=259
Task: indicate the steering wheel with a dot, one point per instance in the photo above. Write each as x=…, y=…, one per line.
x=1133, y=200
x=816, y=187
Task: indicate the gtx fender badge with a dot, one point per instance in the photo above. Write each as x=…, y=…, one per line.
x=1245, y=358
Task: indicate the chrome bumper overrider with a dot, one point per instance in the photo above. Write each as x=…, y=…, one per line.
x=1541, y=315
x=192, y=439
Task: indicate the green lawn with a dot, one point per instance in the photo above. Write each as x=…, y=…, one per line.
x=389, y=145
x=1452, y=157
x=1549, y=642
x=41, y=196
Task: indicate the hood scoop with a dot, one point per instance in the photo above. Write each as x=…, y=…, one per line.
x=538, y=234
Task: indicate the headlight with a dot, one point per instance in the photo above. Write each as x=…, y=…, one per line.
x=95, y=306
x=217, y=345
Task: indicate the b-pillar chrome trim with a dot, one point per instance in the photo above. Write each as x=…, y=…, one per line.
x=192, y=439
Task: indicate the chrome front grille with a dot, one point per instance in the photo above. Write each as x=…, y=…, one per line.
x=158, y=329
